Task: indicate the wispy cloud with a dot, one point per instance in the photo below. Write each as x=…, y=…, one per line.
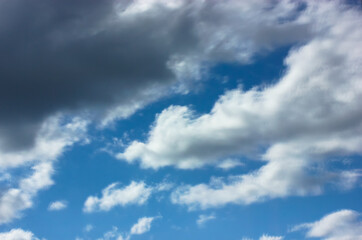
x=58, y=205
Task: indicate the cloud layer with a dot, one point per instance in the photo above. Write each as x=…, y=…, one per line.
x=58, y=56
x=313, y=112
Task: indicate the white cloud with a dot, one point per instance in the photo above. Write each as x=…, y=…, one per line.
x=306, y=101
x=17, y=234
x=52, y=141
x=135, y=193
x=268, y=237
x=229, y=163
x=340, y=225
x=112, y=234
x=57, y=205
x=142, y=226
x=313, y=112
x=205, y=218
x=15, y=200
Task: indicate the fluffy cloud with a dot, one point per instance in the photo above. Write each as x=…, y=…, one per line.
x=313, y=112
x=340, y=225
x=17, y=234
x=142, y=226
x=205, y=218
x=110, y=58
x=113, y=195
x=57, y=205
x=52, y=140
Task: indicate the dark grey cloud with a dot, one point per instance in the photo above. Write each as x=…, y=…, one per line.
x=66, y=56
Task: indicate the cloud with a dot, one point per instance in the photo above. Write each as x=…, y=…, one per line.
x=229, y=163
x=142, y=226
x=135, y=193
x=267, y=237
x=312, y=113
x=17, y=234
x=317, y=95
x=57, y=205
x=15, y=200
x=204, y=218
x=88, y=228
x=340, y=225
x=55, y=136
x=111, y=58
x=112, y=234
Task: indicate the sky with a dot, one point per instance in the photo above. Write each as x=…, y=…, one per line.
x=180, y=119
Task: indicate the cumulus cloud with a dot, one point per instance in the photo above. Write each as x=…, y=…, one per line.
x=17, y=234
x=52, y=140
x=57, y=205
x=205, y=218
x=313, y=112
x=110, y=58
x=135, y=193
x=341, y=225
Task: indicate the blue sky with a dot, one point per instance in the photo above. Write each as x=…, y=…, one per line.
x=154, y=119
